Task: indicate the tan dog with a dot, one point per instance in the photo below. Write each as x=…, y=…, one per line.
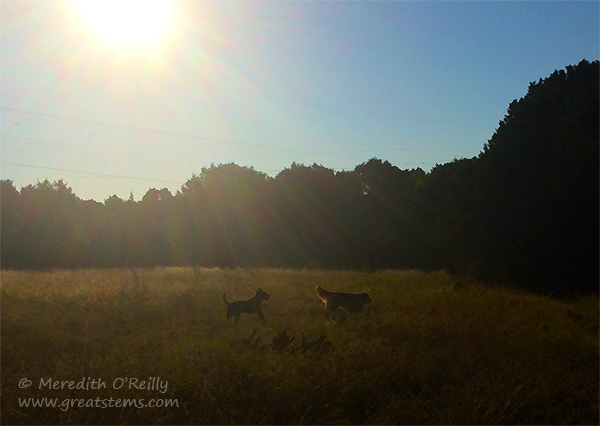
x=251, y=306
x=347, y=301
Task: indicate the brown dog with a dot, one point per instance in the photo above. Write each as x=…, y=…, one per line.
x=251, y=306
x=347, y=301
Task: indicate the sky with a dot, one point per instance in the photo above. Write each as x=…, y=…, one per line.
x=266, y=84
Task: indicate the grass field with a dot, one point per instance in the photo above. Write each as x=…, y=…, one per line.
x=429, y=349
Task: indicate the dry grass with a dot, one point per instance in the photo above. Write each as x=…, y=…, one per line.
x=427, y=350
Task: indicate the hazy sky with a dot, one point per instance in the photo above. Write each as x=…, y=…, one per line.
x=265, y=84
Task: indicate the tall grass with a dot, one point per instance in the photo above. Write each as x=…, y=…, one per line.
x=428, y=350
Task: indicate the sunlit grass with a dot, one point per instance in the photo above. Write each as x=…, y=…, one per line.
x=428, y=349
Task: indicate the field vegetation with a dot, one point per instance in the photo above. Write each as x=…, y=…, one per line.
x=429, y=349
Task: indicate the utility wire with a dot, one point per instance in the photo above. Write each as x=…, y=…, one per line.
x=129, y=127
x=270, y=135
x=88, y=173
x=161, y=132
x=319, y=105
x=178, y=135
x=24, y=142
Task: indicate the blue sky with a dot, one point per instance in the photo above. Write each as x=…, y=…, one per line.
x=265, y=84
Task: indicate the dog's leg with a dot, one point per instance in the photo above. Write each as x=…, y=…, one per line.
x=261, y=316
x=331, y=311
x=326, y=310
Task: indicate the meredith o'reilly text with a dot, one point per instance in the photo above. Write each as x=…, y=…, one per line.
x=89, y=383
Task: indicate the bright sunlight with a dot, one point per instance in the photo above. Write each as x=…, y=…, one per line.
x=127, y=22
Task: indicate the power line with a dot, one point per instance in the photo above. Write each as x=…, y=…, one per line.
x=73, y=150
x=270, y=148
x=190, y=136
x=88, y=173
x=24, y=142
x=320, y=105
x=156, y=131
x=250, y=128
x=128, y=127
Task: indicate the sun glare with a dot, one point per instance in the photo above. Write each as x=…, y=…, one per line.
x=127, y=22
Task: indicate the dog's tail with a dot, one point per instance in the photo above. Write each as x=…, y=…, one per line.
x=225, y=300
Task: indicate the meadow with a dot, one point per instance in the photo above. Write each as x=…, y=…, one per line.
x=429, y=349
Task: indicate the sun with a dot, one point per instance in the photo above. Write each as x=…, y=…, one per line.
x=127, y=22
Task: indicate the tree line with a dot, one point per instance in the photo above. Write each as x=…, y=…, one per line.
x=524, y=211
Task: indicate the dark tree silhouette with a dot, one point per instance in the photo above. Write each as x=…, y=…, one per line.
x=538, y=180
x=393, y=205
x=11, y=226
x=450, y=207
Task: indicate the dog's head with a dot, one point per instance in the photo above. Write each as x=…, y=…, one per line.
x=366, y=298
x=262, y=295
